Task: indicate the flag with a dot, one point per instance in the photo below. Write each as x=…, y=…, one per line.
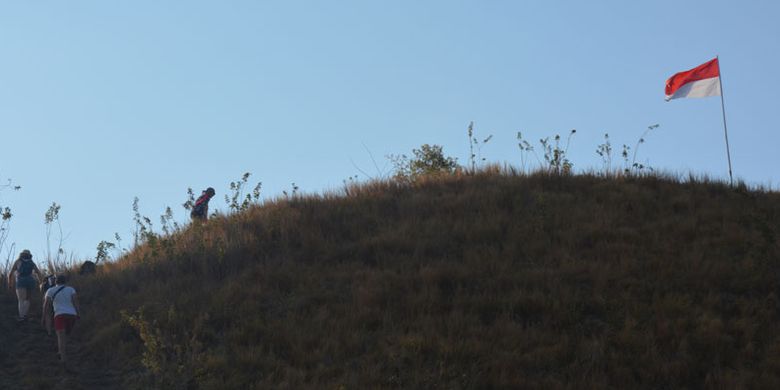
x=701, y=81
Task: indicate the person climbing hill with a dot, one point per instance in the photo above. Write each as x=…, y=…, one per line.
x=47, y=318
x=25, y=282
x=63, y=300
x=200, y=210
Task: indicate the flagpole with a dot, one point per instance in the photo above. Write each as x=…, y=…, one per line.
x=725, y=129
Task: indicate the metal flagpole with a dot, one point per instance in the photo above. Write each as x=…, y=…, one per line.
x=725, y=130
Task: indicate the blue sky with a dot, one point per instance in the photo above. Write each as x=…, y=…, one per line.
x=104, y=101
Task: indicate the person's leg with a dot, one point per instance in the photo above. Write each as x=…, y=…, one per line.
x=24, y=302
x=61, y=340
x=60, y=326
x=30, y=297
x=48, y=321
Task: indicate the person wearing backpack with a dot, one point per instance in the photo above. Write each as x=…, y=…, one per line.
x=63, y=301
x=22, y=273
x=200, y=210
x=47, y=318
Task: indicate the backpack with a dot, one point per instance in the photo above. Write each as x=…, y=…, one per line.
x=199, y=209
x=26, y=268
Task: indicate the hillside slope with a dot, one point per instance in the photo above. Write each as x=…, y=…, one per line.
x=29, y=357
x=487, y=281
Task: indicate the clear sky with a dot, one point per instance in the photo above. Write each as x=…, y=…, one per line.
x=102, y=101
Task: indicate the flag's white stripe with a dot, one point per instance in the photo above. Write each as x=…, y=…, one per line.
x=698, y=89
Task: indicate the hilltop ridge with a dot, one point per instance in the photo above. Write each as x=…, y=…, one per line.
x=491, y=280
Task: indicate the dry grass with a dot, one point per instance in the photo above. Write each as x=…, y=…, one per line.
x=497, y=280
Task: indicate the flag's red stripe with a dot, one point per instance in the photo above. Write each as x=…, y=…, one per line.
x=706, y=70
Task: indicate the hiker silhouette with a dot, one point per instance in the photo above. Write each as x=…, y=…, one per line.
x=200, y=210
x=62, y=301
x=21, y=279
x=88, y=268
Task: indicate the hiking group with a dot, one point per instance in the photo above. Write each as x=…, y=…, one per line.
x=60, y=308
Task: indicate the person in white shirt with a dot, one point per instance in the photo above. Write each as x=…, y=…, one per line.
x=64, y=301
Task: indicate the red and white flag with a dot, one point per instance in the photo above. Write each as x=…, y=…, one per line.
x=701, y=81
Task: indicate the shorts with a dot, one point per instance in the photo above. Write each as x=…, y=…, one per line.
x=23, y=282
x=64, y=322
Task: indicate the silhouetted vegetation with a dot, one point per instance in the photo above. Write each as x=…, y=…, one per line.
x=492, y=280
x=429, y=160
x=446, y=276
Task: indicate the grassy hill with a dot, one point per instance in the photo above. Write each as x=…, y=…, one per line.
x=495, y=280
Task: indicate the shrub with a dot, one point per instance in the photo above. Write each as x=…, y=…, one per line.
x=428, y=160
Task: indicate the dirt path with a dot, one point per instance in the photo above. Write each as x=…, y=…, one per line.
x=28, y=357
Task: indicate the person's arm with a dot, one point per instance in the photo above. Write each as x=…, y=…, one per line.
x=39, y=277
x=11, y=278
x=46, y=303
x=75, y=300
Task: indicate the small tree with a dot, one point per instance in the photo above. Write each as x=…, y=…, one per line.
x=103, y=249
x=51, y=217
x=428, y=160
